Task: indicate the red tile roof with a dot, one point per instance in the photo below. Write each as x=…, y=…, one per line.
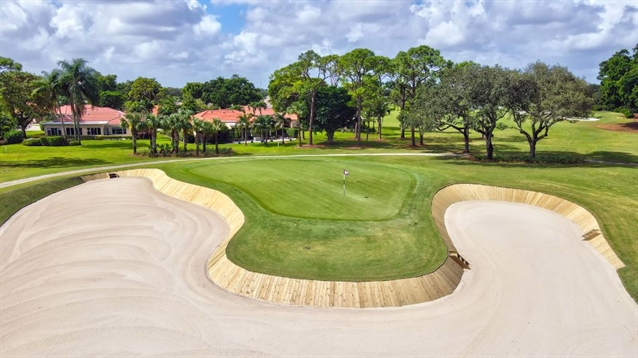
x=232, y=116
x=93, y=114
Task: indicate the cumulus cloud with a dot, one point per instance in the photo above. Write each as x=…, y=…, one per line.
x=180, y=41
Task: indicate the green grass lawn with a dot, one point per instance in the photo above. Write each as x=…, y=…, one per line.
x=582, y=138
x=278, y=185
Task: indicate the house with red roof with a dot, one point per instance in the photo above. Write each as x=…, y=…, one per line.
x=231, y=117
x=95, y=121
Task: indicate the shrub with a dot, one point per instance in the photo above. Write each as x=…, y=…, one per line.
x=626, y=112
x=32, y=142
x=13, y=137
x=54, y=141
x=74, y=142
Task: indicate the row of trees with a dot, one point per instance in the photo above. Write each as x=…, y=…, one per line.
x=176, y=124
x=431, y=93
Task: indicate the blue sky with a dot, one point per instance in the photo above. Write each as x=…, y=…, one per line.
x=182, y=41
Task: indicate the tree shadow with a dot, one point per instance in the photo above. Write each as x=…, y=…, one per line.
x=553, y=159
x=55, y=162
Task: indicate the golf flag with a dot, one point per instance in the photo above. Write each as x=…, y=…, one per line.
x=345, y=172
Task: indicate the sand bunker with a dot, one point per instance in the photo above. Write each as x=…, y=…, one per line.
x=115, y=268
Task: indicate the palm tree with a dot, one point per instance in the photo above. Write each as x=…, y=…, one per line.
x=79, y=84
x=198, y=127
x=48, y=89
x=185, y=125
x=207, y=130
x=297, y=108
x=244, y=123
x=135, y=122
x=153, y=123
x=170, y=125
x=263, y=124
x=280, y=122
x=217, y=126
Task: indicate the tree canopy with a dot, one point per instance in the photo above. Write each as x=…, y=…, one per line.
x=619, y=81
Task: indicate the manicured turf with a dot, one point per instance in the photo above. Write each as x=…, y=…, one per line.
x=314, y=189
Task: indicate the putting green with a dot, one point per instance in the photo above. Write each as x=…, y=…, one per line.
x=314, y=188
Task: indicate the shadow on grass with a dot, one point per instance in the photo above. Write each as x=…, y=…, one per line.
x=56, y=162
x=518, y=159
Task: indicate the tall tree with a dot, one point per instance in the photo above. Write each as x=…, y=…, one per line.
x=217, y=126
x=545, y=95
x=334, y=110
x=8, y=64
x=198, y=128
x=280, y=122
x=415, y=67
x=488, y=96
x=136, y=123
x=153, y=123
x=16, y=89
x=447, y=102
x=619, y=81
x=48, y=89
x=244, y=125
x=80, y=85
x=144, y=89
x=359, y=69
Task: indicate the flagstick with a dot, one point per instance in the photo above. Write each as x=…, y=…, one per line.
x=344, y=184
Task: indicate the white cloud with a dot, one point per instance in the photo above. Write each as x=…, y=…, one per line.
x=145, y=38
x=207, y=26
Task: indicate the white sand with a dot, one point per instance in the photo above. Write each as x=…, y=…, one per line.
x=114, y=268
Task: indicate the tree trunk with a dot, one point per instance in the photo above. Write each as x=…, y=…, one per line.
x=413, y=136
x=402, y=127
x=420, y=137
x=489, y=148
x=313, y=98
x=245, y=136
x=299, y=131
x=216, y=143
x=379, y=120
x=466, y=138
x=367, y=132
x=184, y=141
x=134, y=136
x=204, y=140
x=330, y=136
x=358, y=130
x=196, y=144
x=24, y=131
x=282, y=136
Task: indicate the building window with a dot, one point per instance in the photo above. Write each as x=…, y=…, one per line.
x=93, y=131
x=71, y=131
x=118, y=130
x=54, y=131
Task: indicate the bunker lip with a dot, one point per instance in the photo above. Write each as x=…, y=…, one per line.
x=115, y=267
x=392, y=293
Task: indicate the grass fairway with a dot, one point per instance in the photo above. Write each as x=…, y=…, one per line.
x=314, y=188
